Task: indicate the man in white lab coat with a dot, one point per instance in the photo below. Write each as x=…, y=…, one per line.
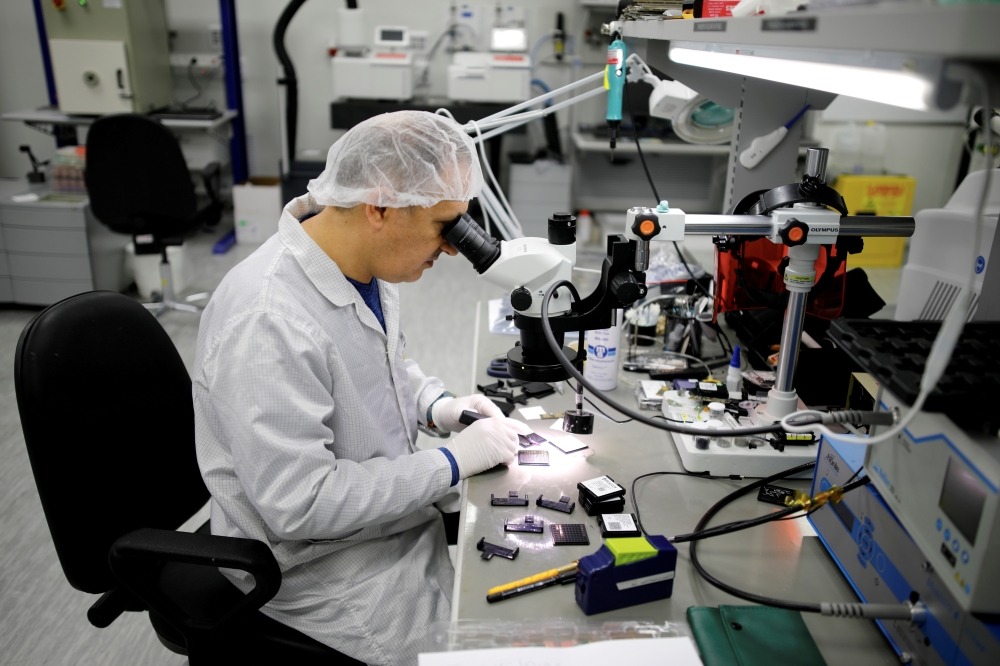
x=306, y=409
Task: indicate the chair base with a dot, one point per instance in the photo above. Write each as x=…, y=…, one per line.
x=184, y=306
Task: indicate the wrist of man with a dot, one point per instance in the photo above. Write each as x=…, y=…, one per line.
x=444, y=397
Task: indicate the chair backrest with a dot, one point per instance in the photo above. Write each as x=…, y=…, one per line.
x=136, y=176
x=108, y=419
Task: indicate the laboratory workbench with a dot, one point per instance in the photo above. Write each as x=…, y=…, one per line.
x=777, y=559
x=50, y=116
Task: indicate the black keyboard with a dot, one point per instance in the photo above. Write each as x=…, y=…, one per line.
x=895, y=353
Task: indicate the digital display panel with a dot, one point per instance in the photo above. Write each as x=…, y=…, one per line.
x=391, y=36
x=962, y=499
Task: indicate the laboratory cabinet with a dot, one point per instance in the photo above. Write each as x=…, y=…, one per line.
x=52, y=247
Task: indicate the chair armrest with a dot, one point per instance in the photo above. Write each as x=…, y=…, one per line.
x=135, y=559
x=211, y=177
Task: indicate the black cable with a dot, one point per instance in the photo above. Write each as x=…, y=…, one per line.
x=660, y=416
x=601, y=412
x=635, y=501
x=740, y=594
x=194, y=83
x=636, y=416
x=652, y=186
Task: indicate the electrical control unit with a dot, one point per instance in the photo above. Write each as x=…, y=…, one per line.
x=885, y=563
x=377, y=75
x=489, y=77
x=942, y=483
x=110, y=56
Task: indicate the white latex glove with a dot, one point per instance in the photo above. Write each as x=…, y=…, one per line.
x=484, y=445
x=445, y=412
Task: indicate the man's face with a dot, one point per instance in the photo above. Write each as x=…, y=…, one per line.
x=411, y=240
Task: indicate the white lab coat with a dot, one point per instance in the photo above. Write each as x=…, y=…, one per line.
x=306, y=418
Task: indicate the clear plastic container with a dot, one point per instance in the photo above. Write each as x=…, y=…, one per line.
x=485, y=634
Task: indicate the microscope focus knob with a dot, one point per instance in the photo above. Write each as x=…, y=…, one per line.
x=794, y=232
x=627, y=289
x=520, y=299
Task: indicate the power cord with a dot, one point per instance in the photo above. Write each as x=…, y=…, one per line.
x=652, y=186
x=909, y=612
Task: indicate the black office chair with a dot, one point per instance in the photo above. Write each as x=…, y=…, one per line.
x=139, y=184
x=94, y=375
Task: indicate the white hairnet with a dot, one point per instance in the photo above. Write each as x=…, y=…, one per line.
x=406, y=158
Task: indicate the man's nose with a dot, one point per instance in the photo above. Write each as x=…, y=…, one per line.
x=449, y=249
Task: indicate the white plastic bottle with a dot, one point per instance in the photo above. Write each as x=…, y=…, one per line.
x=734, y=379
x=603, y=356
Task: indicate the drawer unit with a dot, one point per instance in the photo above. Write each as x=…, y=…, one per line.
x=47, y=240
x=49, y=267
x=53, y=248
x=45, y=292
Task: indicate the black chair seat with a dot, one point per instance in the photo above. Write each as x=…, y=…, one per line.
x=203, y=592
x=117, y=482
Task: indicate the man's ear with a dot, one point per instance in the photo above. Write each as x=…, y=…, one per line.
x=376, y=216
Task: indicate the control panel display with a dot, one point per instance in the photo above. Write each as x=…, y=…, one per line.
x=962, y=499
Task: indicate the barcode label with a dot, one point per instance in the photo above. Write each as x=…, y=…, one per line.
x=618, y=522
x=708, y=386
x=601, y=486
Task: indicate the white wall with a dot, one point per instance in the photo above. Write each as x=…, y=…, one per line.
x=22, y=86
x=308, y=38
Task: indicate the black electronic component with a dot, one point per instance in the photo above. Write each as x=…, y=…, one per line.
x=469, y=417
x=519, y=399
x=564, y=504
x=531, y=439
x=571, y=534
x=685, y=373
x=533, y=457
x=774, y=494
x=491, y=549
x=596, y=508
x=600, y=489
x=505, y=407
x=618, y=525
x=711, y=390
x=511, y=500
x=481, y=249
x=495, y=386
x=895, y=353
x=527, y=524
x=537, y=389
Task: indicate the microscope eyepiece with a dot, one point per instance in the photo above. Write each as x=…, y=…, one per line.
x=473, y=242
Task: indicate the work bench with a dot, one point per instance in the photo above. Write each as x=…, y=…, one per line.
x=775, y=559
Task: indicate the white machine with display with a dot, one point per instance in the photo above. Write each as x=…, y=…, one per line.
x=385, y=72
x=489, y=77
x=942, y=484
x=939, y=252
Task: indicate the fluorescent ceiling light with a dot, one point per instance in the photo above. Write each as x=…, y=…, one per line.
x=899, y=88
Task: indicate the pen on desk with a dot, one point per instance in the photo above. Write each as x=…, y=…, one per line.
x=561, y=579
x=545, y=575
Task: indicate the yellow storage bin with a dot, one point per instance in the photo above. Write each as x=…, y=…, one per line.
x=877, y=195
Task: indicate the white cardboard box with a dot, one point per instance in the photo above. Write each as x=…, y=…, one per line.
x=256, y=209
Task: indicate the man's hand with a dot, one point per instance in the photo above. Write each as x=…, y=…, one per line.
x=446, y=412
x=484, y=445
